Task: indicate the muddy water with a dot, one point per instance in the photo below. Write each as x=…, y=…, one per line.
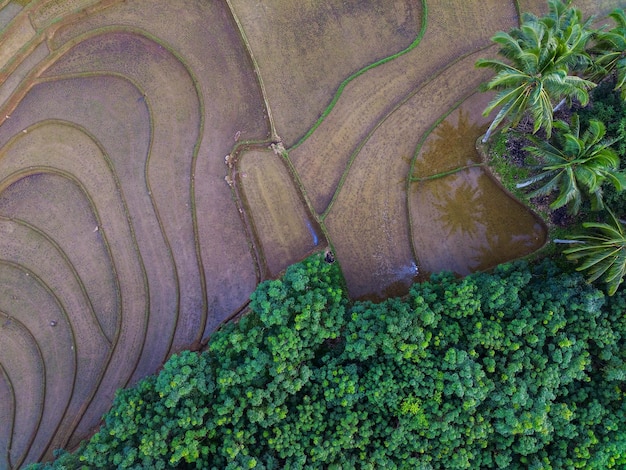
x=464, y=222
x=461, y=218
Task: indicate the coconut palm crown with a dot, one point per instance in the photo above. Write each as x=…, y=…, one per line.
x=609, y=53
x=602, y=252
x=575, y=165
x=539, y=56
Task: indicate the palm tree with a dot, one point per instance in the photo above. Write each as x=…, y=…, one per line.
x=575, y=161
x=603, y=252
x=561, y=19
x=561, y=14
x=540, y=55
x=609, y=53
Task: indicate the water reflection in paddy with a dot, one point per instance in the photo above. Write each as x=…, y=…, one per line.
x=464, y=222
x=461, y=218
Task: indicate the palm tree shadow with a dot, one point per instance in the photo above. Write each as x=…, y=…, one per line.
x=459, y=208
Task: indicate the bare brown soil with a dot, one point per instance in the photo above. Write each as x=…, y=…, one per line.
x=41, y=200
x=53, y=334
x=304, y=50
x=588, y=7
x=223, y=75
x=27, y=392
x=369, y=98
x=280, y=220
x=112, y=146
x=368, y=221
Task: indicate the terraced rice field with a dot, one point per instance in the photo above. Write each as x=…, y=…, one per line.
x=159, y=159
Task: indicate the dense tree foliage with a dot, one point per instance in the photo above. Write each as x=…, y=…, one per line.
x=519, y=368
x=560, y=55
x=608, y=52
x=608, y=107
x=601, y=250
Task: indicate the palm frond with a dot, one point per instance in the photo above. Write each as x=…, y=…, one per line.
x=569, y=193
x=617, y=179
x=594, y=133
x=533, y=179
x=603, y=253
x=619, y=16
x=572, y=146
x=597, y=199
x=545, y=151
x=617, y=270
x=548, y=187
x=597, y=256
x=620, y=83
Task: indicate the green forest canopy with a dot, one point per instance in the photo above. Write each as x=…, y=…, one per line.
x=519, y=368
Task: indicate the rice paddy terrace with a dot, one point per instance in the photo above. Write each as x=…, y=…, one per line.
x=159, y=159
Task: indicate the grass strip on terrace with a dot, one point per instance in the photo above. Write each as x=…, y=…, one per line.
x=342, y=86
x=366, y=101
x=305, y=50
x=48, y=11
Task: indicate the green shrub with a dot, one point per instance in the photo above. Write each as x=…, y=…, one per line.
x=608, y=107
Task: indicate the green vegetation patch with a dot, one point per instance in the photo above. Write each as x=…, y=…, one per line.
x=522, y=367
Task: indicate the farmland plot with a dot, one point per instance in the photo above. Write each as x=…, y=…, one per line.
x=304, y=50
x=112, y=190
x=284, y=229
x=145, y=189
